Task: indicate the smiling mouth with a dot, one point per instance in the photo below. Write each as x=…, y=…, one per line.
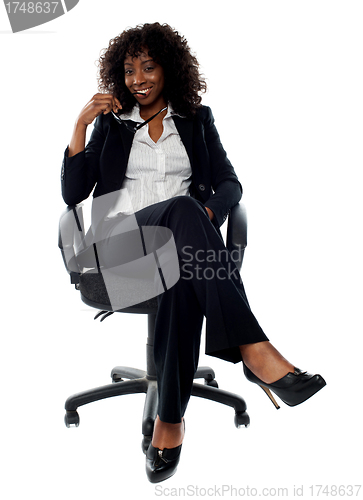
x=142, y=91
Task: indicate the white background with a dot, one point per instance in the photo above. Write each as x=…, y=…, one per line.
x=285, y=86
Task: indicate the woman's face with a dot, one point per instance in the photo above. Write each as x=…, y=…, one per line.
x=145, y=79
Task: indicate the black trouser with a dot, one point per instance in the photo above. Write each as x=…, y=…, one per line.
x=209, y=285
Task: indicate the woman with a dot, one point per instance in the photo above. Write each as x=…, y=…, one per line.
x=178, y=176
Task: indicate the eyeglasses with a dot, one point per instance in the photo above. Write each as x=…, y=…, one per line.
x=135, y=128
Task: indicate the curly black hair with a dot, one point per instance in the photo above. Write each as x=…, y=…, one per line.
x=165, y=46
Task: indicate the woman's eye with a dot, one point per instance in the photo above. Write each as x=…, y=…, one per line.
x=149, y=68
x=128, y=71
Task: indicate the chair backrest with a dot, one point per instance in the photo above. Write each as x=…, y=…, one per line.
x=136, y=263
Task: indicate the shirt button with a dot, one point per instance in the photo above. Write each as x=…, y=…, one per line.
x=202, y=187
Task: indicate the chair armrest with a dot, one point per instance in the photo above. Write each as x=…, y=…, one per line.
x=237, y=233
x=66, y=237
x=71, y=238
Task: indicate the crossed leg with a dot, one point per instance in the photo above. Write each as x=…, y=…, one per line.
x=221, y=300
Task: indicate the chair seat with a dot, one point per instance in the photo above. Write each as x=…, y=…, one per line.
x=94, y=293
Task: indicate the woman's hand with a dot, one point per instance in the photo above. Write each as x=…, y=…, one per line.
x=210, y=213
x=100, y=103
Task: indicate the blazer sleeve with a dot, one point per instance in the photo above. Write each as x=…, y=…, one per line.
x=227, y=190
x=80, y=172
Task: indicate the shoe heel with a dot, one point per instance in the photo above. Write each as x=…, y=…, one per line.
x=268, y=392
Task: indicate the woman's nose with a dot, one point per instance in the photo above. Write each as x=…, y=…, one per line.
x=139, y=78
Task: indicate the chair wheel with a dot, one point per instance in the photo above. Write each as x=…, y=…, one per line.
x=211, y=383
x=71, y=418
x=241, y=419
x=145, y=443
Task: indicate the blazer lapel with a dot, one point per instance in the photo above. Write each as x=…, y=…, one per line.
x=185, y=129
x=127, y=137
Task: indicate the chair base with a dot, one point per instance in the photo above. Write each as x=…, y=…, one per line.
x=138, y=382
x=145, y=381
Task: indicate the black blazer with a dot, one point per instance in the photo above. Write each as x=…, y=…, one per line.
x=103, y=163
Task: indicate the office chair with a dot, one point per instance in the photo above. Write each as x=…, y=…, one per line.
x=93, y=292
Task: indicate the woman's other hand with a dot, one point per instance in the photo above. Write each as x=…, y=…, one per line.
x=210, y=213
x=100, y=103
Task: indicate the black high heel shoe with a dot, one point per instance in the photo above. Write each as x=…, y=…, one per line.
x=292, y=389
x=162, y=464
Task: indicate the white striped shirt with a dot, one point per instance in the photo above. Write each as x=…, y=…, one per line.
x=155, y=171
